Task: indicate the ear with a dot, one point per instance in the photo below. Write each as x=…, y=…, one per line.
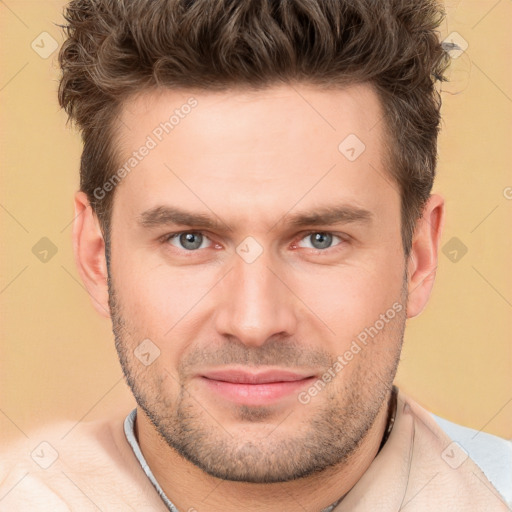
x=89, y=250
x=422, y=261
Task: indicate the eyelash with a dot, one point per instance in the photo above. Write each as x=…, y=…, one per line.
x=343, y=239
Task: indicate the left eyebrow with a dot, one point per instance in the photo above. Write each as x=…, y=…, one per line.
x=329, y=215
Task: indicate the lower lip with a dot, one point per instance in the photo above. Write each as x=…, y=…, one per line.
x=255, y=394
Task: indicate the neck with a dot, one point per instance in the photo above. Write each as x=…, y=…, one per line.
x=190, y=488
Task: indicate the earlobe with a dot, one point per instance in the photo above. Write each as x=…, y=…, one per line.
x=89, y=251
x=422, y=261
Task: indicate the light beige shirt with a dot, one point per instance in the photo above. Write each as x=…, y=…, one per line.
x=93, y=467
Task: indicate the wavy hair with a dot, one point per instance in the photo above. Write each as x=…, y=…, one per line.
x=116, y=48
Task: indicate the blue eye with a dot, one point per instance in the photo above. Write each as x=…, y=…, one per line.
x=320, y=240
x=190, y=241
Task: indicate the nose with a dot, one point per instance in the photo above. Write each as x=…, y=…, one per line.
x=255, y=304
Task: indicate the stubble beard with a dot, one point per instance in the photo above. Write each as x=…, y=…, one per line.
x=343, y=414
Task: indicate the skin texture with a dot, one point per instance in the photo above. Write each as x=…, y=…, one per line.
x=250, y=161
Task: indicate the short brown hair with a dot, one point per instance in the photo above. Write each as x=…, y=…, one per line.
x=115, y=48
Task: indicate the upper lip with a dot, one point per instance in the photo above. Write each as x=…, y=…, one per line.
x=260, y=377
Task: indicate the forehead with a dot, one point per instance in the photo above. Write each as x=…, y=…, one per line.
x=298, y=108
x=284, y=143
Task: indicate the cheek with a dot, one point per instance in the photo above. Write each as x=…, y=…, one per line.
x=155, y=304
x=159, y=301
x=348, y=299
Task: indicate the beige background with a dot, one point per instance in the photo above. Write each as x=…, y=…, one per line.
x=57, y=355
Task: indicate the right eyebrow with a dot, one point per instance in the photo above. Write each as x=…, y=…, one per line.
x=170, y=215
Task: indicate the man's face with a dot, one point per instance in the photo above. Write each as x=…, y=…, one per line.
x=250, y=310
